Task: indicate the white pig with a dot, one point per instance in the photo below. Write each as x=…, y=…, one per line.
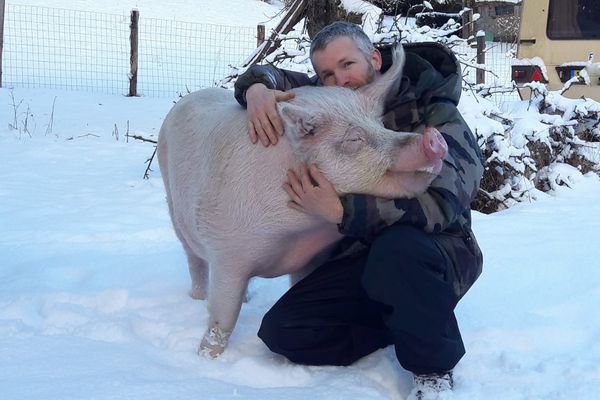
x=225, y=194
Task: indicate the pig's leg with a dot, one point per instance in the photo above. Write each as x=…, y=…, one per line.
x=199, y=274
x=226, y=293
x=197, y=266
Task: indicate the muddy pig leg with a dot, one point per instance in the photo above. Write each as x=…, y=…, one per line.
x=225, y=296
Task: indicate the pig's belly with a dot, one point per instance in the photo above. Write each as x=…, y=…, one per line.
x=297, y=250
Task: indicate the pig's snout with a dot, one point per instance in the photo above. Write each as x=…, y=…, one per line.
x=424, y=153
x=434, y=144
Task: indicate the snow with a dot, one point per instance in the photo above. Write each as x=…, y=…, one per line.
x=370, y=13
x=94, y=283
x=592, y=73
x=231, y=12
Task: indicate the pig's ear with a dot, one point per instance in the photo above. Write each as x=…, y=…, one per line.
x=388, y=83
x=299, y=121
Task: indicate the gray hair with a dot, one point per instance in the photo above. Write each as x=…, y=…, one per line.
x=342, y=29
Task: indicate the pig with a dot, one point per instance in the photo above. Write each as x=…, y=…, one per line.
x=225, y=194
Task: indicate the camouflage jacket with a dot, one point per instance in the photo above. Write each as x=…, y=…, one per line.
x=428, y=96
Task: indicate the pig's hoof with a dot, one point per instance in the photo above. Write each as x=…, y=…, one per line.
x=214, y=342
x=197, y=293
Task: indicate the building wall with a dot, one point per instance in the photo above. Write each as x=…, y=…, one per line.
x=496, y=17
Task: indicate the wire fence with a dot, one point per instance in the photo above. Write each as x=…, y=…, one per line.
x=81, y=50
x=187, y=56
x=498, y=61
x=66, y=49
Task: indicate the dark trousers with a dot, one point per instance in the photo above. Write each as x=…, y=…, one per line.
x=400, y=291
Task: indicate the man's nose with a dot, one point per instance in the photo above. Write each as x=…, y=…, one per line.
x=342, y=79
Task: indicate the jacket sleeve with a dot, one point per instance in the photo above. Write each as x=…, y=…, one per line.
x=448, y=197
x=271, y=77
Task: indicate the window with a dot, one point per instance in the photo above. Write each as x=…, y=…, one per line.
x=574, y=19
x=505, y=10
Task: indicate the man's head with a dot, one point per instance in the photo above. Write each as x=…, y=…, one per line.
x=343, y=55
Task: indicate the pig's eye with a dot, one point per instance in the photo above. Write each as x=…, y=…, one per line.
x=355, y=140
x=352, y=143
x=354, y=134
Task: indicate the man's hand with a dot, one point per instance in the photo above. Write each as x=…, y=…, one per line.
x=313, y=194
x=264, y=122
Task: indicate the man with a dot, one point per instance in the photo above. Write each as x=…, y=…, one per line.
x=405, y=262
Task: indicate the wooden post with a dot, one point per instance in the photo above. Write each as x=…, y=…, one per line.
x=467, y=23
x=480, y=77
x=260, y=34
x=293, y=15
x=133, y=40
x=2, y=4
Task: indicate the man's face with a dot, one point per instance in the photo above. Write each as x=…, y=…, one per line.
x=341, y=63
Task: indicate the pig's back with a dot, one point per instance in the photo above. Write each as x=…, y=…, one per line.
x=224, y=189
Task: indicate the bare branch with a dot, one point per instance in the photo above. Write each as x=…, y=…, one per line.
x=143, y=139
x=149, y=161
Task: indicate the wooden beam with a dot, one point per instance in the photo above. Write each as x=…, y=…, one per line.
x=293, y=15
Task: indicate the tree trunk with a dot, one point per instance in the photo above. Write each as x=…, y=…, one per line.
x=320, y=13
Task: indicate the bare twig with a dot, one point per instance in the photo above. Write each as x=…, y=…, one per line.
x=488, y=90
x=115, y=133
x=51, y=122
x=80, y=136
x=26, y=121
x=143, y=139
x=15, y=106
x=476, y=66
x=149, y=161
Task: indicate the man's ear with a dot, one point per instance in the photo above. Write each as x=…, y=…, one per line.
x=298, y=121
x=376, y=60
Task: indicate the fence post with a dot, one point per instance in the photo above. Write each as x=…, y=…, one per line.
x=480, y=76
x=2, y=4
x=133, y=59
x=467, y=23
x=260, y=34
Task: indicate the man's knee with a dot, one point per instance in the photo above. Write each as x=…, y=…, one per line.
x=407, y=270
x=308, y=343
x=402, y=249
x=277, y=338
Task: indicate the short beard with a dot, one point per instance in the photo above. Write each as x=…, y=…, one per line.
x=371, y=73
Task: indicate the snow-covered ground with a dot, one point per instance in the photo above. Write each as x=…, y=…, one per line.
x=227, y=12
x=94, y=305
x=93, y=282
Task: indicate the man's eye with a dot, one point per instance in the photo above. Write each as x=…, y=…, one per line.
x=348, y=64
